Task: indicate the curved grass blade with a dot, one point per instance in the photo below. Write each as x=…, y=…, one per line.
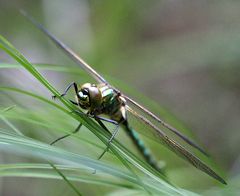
x=89, y=123
x=117, y=149
x=133, y=159
x=59, y=107
x=7, y=121
x=39, y=170
x=48, y=67
x=41, y=150
x=19, y=144
x=65, y=179
x=8, y=108
x=35, y=96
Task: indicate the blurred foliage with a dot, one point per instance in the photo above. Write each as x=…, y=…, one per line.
x=182, y=54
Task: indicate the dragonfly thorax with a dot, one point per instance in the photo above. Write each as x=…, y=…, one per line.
x=101, y=99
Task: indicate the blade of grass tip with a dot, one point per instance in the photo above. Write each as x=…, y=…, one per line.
x=4, y=119
x=65, y=179
x=9, y=48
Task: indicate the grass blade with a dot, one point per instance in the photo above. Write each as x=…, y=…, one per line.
x=66, y=180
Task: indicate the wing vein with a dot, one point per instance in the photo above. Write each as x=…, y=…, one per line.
x=169, y=127
x=177, y=148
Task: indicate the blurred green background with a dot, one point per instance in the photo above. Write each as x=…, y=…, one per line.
x=184, y=55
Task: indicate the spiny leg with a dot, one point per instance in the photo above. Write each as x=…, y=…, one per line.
x=73, y=102
x=67, y=135
x=97, y=118
x=105, y=128
x=73, y=84
x=105, y=119
x=109, y=141
x=102, y=125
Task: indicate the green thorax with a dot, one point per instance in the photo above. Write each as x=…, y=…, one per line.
x=110, y=101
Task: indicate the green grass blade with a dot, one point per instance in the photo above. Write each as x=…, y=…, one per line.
x=65, y=179
x=40, y=170
x=7, y=121
x=119, y=150
x=23, y=145
x=53, y=104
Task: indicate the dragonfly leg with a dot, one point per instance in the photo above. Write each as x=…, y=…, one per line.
x=73, y=84
x=106, y=119
x=112, y=137
x=67, y=135
x=80, y=112
x=102, y=125
x=96, y=117
x=73, y=102
x=106, y=129
x=109, y=141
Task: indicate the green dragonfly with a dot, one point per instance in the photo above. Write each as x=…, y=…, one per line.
x=104, y=99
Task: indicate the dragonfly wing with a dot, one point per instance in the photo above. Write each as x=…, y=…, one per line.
x=100, y=79
x=66, y=49
x=177, y=148
x=167, y=141
x=169, y=127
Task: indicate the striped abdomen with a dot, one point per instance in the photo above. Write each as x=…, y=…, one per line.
x=141, y=147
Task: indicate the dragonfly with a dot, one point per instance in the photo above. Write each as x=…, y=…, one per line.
x=104, y=99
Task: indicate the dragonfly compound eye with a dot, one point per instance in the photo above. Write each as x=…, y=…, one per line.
x=83, y=98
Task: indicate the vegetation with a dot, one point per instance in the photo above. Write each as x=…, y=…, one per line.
x=120, y=36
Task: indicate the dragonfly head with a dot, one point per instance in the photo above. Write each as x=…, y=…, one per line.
x=88, y=96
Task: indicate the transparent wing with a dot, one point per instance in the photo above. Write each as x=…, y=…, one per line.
x=177, y=148
x=169, y=127
x=100, y=79
x=66, y=49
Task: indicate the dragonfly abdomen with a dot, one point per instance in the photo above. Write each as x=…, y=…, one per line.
x=141, y=147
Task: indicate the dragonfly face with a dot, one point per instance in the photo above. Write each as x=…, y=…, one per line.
x=89, y=97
